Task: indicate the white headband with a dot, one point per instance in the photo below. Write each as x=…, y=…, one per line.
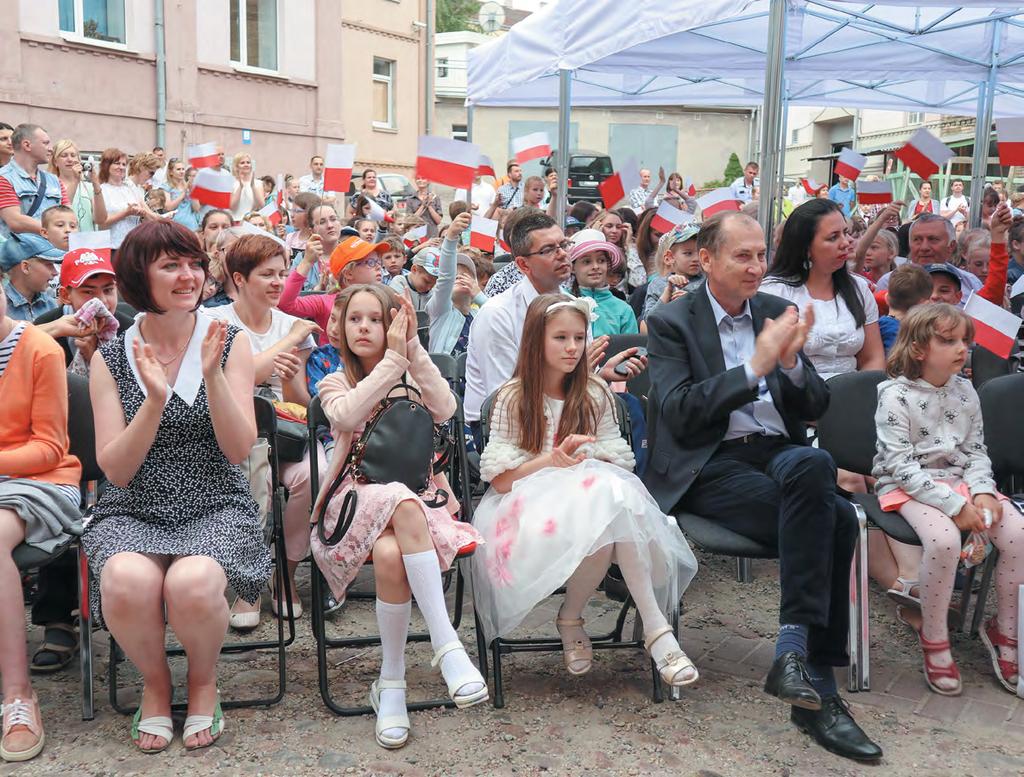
x=585, y=305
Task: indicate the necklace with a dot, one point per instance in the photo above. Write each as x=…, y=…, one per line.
x=166, y=364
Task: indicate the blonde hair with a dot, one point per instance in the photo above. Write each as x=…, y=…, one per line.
x=59, y=148
x=917, y=329
x=238, y=158
x=142, y=162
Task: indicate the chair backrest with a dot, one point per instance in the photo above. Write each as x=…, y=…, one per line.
x=985, y=366
x=460, y=365
x=847, y=429
x=423, y=328
x=266, y=427
x=81, y=429
x=1004, y=425
x=446, y=365
x=640, y=386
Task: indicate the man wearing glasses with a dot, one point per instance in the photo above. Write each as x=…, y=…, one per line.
x=541, y=252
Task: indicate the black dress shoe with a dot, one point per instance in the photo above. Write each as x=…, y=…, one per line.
x=835, y=729
x=788, y=680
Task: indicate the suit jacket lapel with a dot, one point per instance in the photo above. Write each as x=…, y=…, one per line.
x=772, y=378
x=707, y=332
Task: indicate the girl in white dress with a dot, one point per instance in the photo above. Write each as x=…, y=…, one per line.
x=560, y=514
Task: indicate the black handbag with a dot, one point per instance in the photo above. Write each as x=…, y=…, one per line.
x=292, y=437
x=400, y=444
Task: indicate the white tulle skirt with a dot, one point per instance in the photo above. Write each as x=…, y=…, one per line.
x=537, y=534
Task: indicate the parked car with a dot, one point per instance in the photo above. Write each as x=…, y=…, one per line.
x=587, y=169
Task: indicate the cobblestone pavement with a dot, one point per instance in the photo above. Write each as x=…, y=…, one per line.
x=604, y=723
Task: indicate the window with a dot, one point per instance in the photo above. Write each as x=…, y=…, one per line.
x=794, y=137
x=383, y=93
x=460, y=132
x=101, y=20
x=254, y=33
x=442, y=67
x=915, y=118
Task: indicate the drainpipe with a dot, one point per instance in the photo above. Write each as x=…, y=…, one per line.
x=428, y=82
x=161, y=73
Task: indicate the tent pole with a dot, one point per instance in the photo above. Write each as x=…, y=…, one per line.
x=469, y=123
x=771, y=118
x=983, y=128
x=780, y=186
x=564, y=108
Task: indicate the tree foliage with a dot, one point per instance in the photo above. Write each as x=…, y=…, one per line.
x=733, y=169
x=456, y=15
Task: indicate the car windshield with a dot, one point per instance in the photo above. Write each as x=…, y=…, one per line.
x=396, y=184
x=595, y=165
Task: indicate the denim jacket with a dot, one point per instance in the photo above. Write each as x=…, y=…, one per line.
x=25, y=186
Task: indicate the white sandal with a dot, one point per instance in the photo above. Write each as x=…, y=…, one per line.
x=391, y=721
x=577, y=654
x=674, y=665
x=466, y=699
x=902, y=592
x=196, y=724
x=157, y=726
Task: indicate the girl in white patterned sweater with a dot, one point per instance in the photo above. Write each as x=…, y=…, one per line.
x=932, y=466
x=563, y=503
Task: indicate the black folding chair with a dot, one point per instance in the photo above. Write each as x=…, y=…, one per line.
x=458, y=479
x=423, y=328
x=985, y=365
x=612, y=640
x=266, y=428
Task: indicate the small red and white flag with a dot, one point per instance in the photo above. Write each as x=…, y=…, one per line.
x=924, y=154
x=810, y=185
x=874, y=192
x=1010, y=139
x=377, y=213
x=415, y=236
x=271, y=212
x=486, y=167
x=533, y=146
x=447, y=162
x=213, y=187
x=688, y=188
x=614, y=189
x=995, y=329
x=203, y=155
x=248, y=228
x=338, y=167
x=850, y=163
x=1017, y=288
x=718, y=201
x=98, y=242
x=669, y=217
x=483, y=233
x=499, y=242
x=279, y=188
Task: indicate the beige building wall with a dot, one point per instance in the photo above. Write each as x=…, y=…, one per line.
x=103, y=94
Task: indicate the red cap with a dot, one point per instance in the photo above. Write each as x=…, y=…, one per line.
x=83, y=263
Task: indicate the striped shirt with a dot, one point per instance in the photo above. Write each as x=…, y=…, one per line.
x=8, y=344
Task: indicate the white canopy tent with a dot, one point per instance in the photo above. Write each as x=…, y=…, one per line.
x=965, y=59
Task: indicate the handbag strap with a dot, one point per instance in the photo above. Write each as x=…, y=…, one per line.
x=40, y=191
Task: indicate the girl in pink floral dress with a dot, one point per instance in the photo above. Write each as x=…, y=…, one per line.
x=410, y=541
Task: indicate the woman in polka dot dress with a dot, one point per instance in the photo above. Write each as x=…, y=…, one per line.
x=932, y=467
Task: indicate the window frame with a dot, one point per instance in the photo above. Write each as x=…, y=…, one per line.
x=78, y=34
x=389, y=80
x=241, y=63
x=915, y=117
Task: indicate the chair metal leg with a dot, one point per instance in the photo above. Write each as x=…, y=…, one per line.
x=965, y=599
x=499, y=688
x=85, y=638
x=986, y=583
x=859, y=635
x=743, y=570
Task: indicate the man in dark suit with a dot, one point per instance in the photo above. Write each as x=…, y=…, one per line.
x=731, y=394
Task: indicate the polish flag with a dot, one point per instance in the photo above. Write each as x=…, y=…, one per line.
x=924, y=154
x=810, y=186
x=1010, y=139
x=483, y=233
x=533, y=146
x=688, y=188
x=213, y=187
x=203, y=155
x=447, y=162
x=1017, y=288
x=486, y=166
x=248, y=228
x=279, y=185
x=271, y=212
x=499, y=242
x=669, y=217
x=614, y=189
x=995, y=329
x=377, y=213
x=850, y=163
x=718, y=201
x=98, y=242
x=414, y=237
x=874, y=192
x=338, y=167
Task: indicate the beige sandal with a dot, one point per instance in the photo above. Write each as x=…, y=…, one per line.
x=578, y=654
x=23, y=715
x=674, y=667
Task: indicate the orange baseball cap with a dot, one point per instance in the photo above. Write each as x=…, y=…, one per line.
x=352, y=249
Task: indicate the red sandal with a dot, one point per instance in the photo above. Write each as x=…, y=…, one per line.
x=933, y=672
x=993, y=640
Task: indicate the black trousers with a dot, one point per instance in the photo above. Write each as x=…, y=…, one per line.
x=784, y=496
x=58, y=591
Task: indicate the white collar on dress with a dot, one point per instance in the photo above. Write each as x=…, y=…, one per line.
x=190, y=374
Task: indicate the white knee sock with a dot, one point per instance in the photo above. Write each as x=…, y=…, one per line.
x=424, y=575
x=638, y=580
x=393, y=622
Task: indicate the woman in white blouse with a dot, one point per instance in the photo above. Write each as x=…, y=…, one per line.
x=123, y=191
x=248, y=194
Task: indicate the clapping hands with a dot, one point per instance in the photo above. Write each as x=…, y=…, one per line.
x=780, y=340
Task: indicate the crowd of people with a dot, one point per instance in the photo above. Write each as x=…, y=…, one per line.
x=195, y=310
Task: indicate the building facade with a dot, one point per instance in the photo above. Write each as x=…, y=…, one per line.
x=277, y=78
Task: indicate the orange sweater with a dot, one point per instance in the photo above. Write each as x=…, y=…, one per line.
x=34, y=417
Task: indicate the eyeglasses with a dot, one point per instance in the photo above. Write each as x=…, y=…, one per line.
x=548, y=251
x=373, y=263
